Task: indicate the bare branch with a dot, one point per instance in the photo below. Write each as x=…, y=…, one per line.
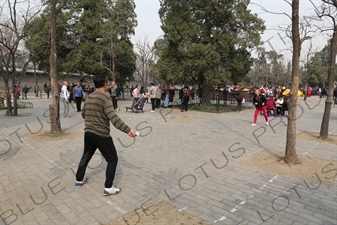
x=288, y=2
x=305, y=38
x=334, y=2
x=276, y=13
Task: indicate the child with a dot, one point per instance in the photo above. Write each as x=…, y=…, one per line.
x=279, y=104
x=271, y=104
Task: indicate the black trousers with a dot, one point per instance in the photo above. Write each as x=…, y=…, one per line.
x=107, y=148
x=114, y=102
x=184, y=106
x=158, y=103
x=153, y=103
x=78, y=103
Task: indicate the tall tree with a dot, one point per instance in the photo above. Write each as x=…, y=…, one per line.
x=290, y=152
x=101, y=32
x=329, y=9
x=54, y=107
x=145, y=60
x=208, y=41
x=319, y=64
x=299, y=34
x=12, y=33
x=38, y=45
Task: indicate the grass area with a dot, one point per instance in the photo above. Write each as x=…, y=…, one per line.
x=2, y=106
x=214, y=108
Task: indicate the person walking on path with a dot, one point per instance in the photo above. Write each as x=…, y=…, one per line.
x=259, y=102
x=65, y=98
x=158, y=95
x=153, y=94
x=114, y=95
x=78, y=94
x=185, y=99
x=25, y=91
x=47, y=90
x=239, y=98
x=98, y=113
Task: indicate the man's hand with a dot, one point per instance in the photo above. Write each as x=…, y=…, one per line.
x=132, y=133
x=67, y=101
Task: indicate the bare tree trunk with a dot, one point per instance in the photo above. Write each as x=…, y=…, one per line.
x=113, y=58
x=36, y=81
x=8, y=97
x=290, y=153
x=54, y=108
x=324, y=133
x=206, y=94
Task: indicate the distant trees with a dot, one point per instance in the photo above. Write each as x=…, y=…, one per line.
x=208, y=42
x=83, y=37
x=268, y=68
x=93, y=37
x=145, y=62
x=328, y=9
x=13, y=24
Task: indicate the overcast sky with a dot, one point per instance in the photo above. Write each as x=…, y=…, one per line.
x=274, y=37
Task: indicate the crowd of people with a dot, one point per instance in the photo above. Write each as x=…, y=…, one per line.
x=161, y=96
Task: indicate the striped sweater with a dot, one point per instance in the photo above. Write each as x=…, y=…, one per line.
x=98, y=112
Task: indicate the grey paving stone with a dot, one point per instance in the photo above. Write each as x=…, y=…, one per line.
x=32, y=165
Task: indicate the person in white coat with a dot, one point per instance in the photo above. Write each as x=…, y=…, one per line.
x=65, y=98
x=153, y=93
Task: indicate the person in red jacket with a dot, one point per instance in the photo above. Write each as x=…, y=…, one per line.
x=271, y=105
x=260, y=102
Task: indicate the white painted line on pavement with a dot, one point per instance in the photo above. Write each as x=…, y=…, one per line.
x=31, y=147
x=222, y=218
x=317, y=143
x=117, y=208
x=332, y=131
x=182, y=209
x=244, y=202
x=236, y=207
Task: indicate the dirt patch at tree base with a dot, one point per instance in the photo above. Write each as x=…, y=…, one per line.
x=12, y=116
x=182, y=117
x=162, y=213
x=46, y=136
x=308, y=168
x=312, y=136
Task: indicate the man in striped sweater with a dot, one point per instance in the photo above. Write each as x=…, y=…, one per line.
x=98, y=112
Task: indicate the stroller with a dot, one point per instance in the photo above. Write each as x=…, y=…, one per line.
x=137, y=104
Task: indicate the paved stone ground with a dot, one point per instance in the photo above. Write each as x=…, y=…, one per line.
x=189, y=159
